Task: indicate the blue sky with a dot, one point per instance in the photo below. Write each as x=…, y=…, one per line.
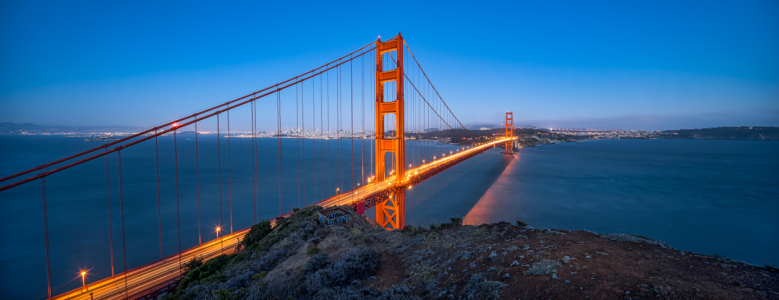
x=608, y=65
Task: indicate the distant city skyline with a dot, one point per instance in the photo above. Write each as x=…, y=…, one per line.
x=604, y=65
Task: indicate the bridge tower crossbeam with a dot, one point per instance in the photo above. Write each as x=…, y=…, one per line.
x=390, y=211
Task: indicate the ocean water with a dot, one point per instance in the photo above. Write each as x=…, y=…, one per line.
x=714, y=197
x=707, y=196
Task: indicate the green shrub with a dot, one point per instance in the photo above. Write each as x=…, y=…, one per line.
x=223, y=295
x=193, y=263
x=259, y=276
x=207, y=270
x=355, y=232
x=314, y=251
x=258, y=231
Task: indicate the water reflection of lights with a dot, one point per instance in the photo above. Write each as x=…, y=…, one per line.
x=486, y=209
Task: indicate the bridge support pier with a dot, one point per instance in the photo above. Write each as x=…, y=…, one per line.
x=390, y=212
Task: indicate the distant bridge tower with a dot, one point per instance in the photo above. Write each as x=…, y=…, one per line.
x=509, y=132
x=390, y=212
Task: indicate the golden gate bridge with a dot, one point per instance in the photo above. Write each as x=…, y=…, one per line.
x=404, y=106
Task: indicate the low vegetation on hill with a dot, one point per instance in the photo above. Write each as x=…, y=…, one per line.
x=303, y=259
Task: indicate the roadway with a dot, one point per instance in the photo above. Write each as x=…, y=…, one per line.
x=364, y=192
x=149, y=276
x=161, y=273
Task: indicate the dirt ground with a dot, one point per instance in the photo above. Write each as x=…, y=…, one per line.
x=558, y=264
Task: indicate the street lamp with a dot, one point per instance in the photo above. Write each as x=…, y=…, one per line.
x=220, y=241
x=83, y=280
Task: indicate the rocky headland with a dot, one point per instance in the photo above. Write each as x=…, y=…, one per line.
x=532, y=140
x=302, y=258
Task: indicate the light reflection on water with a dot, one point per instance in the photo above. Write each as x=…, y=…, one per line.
x=489, y=202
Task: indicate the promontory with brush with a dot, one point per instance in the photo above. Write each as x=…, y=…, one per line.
x=305, y=258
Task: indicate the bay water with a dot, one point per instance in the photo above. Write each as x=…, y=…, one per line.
x=712, y=197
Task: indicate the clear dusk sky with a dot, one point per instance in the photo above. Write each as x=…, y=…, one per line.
x=649, y=65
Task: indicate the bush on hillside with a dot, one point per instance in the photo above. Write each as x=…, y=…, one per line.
x=208, y=270
x=193, y=263
x=357, y=263
x=316, y=263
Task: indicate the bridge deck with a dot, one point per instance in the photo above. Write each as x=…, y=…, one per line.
x=147, y=280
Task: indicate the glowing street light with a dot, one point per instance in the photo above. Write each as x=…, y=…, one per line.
x=221, y=248
x=83, y=280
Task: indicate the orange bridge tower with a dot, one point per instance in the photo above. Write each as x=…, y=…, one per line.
x=509, y=132
x=390, y=212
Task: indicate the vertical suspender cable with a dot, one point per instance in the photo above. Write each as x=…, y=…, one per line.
x=329, y=182
x=409, y=120
x=121, y=208
x=229, y=171
x=313, y=132
x=297, y=139
x=338, y=122
x=362, y=107
x=351, y=112
x=256, y=166
x=197, y=183
x=110, y=235
x=322, y=129
x=178, y=213
x=254, y=158
x=408, y=123
x=46, y=233
x=278, y=135
x=219, y=166
x=303, y=141
x=159, y=206
x=373, y=93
